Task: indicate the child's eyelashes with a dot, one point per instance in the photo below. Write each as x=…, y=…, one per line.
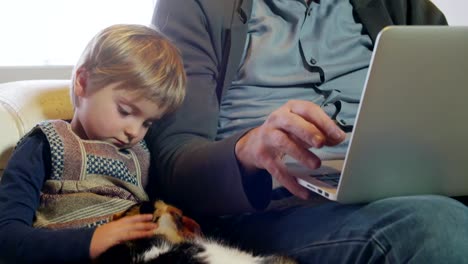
x=123, y=111
x=127, y=111
x=147, y=124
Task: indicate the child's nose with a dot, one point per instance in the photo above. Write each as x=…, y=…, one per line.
x=131, y=131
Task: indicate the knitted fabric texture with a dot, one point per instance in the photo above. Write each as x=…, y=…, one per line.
x=90, y=180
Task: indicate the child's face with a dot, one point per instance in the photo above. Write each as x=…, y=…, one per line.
x=117, y=116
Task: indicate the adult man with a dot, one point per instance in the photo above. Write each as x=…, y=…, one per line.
x=269, y=78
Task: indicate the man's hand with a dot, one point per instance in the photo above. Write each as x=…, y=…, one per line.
x=124, y=229
x=292, y=129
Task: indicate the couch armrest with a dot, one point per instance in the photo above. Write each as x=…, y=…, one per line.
x=25, y=103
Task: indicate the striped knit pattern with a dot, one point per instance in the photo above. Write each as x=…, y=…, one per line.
x=90, y=180
x=56, y=150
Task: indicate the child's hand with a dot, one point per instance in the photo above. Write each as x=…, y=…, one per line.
x=115, y=232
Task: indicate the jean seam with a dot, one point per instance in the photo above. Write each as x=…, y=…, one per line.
x=383, y=250
x=328, y=243
x=372, y=239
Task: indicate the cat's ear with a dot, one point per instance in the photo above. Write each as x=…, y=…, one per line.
x=132, y=210
x=190, y=227
x=147, y=208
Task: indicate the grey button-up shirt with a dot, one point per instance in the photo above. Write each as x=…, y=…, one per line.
x=313, y=52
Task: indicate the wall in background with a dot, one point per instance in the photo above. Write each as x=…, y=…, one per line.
x=51, y=72
x=55, y=32
x=42, y=39
x=38, y=41
x=454, y=10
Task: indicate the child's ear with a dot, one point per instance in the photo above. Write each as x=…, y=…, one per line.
x=81, y=81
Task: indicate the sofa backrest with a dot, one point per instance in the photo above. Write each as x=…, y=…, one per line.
x=25, y=103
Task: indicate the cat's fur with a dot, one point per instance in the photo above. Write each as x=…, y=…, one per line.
x=178, y=239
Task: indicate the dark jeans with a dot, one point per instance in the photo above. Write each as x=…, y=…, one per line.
x=412, y=229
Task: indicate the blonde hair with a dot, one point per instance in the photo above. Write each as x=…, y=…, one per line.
x=138, y=58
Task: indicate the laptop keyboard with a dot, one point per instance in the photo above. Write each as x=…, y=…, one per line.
x=330, y=179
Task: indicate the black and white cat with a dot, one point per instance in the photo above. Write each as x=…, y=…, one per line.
x=178, y=240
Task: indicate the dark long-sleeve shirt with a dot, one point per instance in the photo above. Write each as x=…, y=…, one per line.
x=20, y=189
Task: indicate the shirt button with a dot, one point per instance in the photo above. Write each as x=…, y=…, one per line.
x=313, y=61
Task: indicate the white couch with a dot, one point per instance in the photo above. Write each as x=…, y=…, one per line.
x=25, y=103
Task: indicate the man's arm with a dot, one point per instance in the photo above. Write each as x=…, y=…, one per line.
x=192, y=170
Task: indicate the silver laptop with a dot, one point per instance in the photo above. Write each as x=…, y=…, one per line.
x=411, y=131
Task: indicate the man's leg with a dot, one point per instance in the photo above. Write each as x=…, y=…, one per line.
x=418, y=229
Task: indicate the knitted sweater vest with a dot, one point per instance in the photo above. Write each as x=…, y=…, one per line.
x=90, y=180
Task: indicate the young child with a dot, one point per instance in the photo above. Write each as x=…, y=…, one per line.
x=66, y=179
